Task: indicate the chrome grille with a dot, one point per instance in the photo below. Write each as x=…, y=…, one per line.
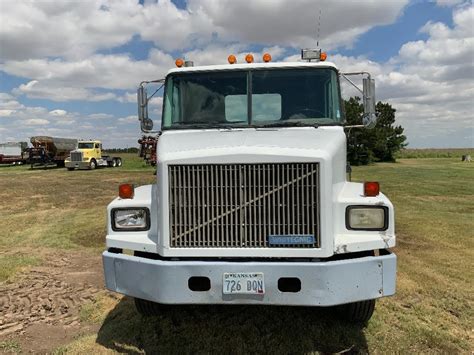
x=76, y=156
x=241, y=205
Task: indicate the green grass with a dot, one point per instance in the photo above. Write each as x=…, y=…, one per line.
x=62, y=209
x=411, y=153
x=10, y=264
x=10, y=346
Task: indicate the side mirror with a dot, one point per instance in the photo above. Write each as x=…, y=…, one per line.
x=147, y=124
x=143, y=108
x=370, y=117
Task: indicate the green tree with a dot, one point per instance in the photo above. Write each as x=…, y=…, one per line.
x=379, y=144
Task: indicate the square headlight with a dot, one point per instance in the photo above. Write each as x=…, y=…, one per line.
x=130, y=219
x=371, y=218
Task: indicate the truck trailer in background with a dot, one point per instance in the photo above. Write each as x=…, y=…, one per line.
x=13, y=152
x=49, y=150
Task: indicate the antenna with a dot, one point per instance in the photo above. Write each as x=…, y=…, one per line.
x=318, y=29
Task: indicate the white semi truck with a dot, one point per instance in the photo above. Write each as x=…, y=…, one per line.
x=251, y=203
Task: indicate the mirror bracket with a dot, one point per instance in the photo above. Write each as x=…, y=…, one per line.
x=369, y=119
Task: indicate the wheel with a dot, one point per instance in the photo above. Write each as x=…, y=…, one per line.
x=93, y=164
x=147, y=308
x=70, y=169
x=357, y=312
x=119, y=162
x=114, y=163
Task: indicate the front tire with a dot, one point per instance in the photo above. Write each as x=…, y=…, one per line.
x=70, y=169
x=357, y=312
x=93, y=164
x=147, y=308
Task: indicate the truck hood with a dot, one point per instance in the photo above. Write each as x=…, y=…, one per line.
x=251, y=145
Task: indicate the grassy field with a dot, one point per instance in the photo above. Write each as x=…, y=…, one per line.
x=55, y=211
x=412, y=153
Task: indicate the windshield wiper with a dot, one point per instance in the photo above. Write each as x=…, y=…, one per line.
x=287, y=124
x=199, y=124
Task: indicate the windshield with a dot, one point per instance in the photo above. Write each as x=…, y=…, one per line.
x=272, y=97
x=85, y=145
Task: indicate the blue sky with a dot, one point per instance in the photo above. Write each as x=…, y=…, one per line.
x=70, y=69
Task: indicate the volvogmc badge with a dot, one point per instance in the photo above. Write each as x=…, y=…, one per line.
x=291, y=239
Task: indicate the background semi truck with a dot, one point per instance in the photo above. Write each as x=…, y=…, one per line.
x=49, y=150
x=251, y=203
x=88, y=155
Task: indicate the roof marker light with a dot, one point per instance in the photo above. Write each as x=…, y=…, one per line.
x=179, y=62
x=249, y=58
x=323, y=56
x=267, y=57
x=232, y=59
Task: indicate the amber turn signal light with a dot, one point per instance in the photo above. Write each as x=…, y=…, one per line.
x=126, y=191
x=179, y=62
x=371, y=188
x=232, y=59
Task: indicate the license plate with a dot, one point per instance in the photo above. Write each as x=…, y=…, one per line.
x=243, y=283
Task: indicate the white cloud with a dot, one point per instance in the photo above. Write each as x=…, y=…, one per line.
x=35, y=122
x=78, y=29
x=128, y=119
x=67, y=28
x=100, y=116
x=6, y=113
x=128, y=97
x=449, y=2
x=58, y=112
x=293, y=23
x=61, y=80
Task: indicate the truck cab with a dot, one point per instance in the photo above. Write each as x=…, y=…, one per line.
x=88, y=155
x=251, y=203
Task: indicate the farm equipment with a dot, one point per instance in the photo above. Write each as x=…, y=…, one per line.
x=148, y=149
x=13, y=152
x=88, y=155
x=251, y=204
x=47, y=151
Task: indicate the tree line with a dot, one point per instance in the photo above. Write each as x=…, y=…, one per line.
x=365, y=146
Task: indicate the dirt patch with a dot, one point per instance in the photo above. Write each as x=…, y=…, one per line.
x=40, y=309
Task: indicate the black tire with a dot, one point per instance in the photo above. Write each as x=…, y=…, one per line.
x=70, y=169
x=114, y=163
x=119, y=162
x=357, y=312
x=147, y=308
x=93, y=164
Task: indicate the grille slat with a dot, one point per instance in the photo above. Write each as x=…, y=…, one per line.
x=76, y=156
x=241, y=205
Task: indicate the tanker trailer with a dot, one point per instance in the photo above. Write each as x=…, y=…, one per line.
x=50, y=150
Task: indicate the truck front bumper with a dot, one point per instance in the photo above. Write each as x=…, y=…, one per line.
x=77, y=164
x=322, y=283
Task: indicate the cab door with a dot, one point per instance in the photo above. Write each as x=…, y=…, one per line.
x=97, y=150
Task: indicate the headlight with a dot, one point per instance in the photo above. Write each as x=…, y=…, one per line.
x=372, y=218
x=130, y=219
